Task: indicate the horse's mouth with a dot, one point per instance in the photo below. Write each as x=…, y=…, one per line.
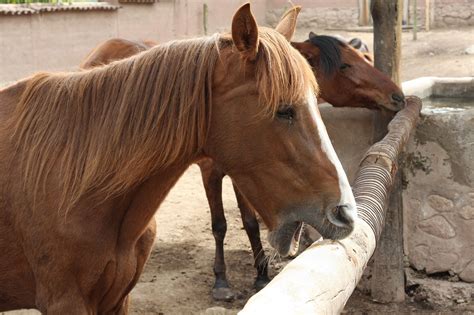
x=334, y=224
x=287, y=239
x=295, y=240
x=392, y=106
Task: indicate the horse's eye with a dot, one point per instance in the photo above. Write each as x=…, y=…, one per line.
x=286, y=112
x=345, y=66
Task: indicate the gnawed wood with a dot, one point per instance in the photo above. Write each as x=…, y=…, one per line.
x=322, y=278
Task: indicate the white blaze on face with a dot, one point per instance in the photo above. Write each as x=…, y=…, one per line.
x=347, y=197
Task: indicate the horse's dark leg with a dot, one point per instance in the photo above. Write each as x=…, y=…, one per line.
x=253, y=232
x=212, y=179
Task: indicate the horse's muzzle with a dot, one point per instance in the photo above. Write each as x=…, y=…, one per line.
x=398, y=101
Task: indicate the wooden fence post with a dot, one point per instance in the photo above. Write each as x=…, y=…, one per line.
x=364, y=13
x=388, y=281
x=427, y=15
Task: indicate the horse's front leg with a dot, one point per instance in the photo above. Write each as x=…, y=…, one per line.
x=212, y=179
x=251, y=226
x=143, y=250
x=121, y=309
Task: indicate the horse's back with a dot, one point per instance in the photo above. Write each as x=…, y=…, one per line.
x=112, y=50
x=9, y=97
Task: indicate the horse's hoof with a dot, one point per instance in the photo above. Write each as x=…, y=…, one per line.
x=260, y=283
x=222, y=294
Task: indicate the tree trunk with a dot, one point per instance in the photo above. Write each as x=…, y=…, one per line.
x=387, y=19
x=322, y=278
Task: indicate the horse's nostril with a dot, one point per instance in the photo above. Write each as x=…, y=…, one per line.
x=399, y=98
x=343, y=216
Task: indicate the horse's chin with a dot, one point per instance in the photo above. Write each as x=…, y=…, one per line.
x=388, y=107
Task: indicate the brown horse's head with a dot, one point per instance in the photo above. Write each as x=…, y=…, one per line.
x=346, y=76
x=267, y=134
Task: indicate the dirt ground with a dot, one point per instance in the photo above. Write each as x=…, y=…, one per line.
x=178, y=277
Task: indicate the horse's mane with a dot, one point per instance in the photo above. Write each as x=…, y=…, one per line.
x=330, y=52
x=102, y=131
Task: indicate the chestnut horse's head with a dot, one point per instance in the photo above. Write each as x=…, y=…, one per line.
x=346, y=76
x=266, y=132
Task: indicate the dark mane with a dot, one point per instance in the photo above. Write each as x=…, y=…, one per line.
x=330, y=52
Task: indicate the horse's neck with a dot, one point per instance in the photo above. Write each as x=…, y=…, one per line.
x=145, y=201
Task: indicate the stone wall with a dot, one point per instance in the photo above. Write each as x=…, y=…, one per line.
x=318, y=19
x=449, y=13
x=438, y=193
x=438, y=199
x=444, y=13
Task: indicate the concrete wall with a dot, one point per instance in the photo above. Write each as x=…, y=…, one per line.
x=51, y=41
x=60, y=40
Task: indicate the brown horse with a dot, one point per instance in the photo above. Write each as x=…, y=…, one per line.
x=346, y=77
x=86, y=159
x=330, y=57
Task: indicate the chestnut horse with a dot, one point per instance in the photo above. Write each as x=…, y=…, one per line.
x=86, y=159
x=346, y=77
x=339, y=68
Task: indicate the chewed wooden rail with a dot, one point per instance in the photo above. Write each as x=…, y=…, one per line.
x=323, y=277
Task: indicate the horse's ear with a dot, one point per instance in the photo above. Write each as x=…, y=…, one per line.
x=287, y=24
x=356, y=43
x=312, y=35
x=245, y=32
x=307, y=50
